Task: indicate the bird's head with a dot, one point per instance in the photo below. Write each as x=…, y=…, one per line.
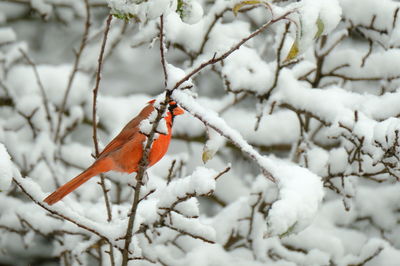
x=174, y=109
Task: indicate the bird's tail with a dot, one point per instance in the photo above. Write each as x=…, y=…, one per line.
x=97, y=168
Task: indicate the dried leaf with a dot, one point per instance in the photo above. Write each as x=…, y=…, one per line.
x=207, y=155
x=320, y=26
x=213, y=144
x=294, y=51
x=238, y=6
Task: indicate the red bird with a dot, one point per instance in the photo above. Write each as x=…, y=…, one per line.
x=124, y=152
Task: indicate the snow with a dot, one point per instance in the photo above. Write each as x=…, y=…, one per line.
x=42, y=7
x=337, y=160
x=330, y=14
x=111, y=231
x=360, y=11
x=7, y=35
x=309, y=15
x=191, y=225
x=192, y=11
x=175, y=74
x=200, y=182
x=54, y=80
x=147, y=211
x=318, y=159
x=218, y=124
x=186, y=34
x=203, y=181
x=115, y=118
x=146, y=126
x=284, y=121
x=214, y=142
x=328, y=133
x=300, y=195
x=215, y=255
x=245, y=69
x=6, y=168
x=144, y=10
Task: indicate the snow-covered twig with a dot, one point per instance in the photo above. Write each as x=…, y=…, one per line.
x=215, y=59
x=218, y=124
x=61, y=215
x=163, y=50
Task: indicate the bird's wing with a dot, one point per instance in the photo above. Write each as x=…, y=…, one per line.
x=128, y=132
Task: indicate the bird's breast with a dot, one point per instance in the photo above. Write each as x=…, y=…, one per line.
x=159, y=148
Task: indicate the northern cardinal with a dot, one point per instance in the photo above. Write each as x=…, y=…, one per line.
x=124, y=152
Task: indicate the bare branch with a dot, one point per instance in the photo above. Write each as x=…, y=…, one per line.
x=94, y=114
x=41, y=88
x=71, y=79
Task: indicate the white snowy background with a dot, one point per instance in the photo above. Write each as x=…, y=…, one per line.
x=288, y=153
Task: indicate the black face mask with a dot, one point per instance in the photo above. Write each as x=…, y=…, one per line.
x=171, y=108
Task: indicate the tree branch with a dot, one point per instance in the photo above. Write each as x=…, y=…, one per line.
x=74, y=70
x=216, y=59
x=94, y=112
x=94, y=119
x=41, y=88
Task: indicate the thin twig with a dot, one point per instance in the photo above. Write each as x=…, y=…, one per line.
x=162, y=51
x=74, y=70
x=96, y=87
x=222, y=172
x=170, y=171
x=189, y=234
x=278, y=69
x=94, y=113
x=29, y=120
x=216, y=59
x=210, y=27
x=41, y=87
x=94, y=119
x=116, y=41
x=58, y=214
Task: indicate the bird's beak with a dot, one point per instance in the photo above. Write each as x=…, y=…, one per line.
x=178, y=111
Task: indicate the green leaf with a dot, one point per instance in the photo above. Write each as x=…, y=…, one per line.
x=126, y=17
x=179, y=8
